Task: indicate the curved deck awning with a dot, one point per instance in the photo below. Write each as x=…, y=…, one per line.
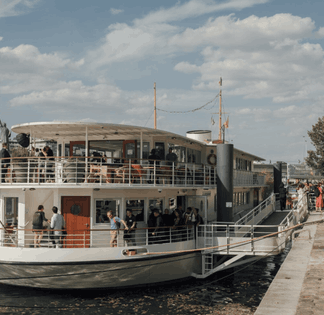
x=76, y=131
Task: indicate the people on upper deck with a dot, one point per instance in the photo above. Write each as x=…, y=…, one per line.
x=114, y=228
x=5, y=161
x=171, y=157
x=38, y=219
x=46, y=166
x=153, y=158
x=57, y=224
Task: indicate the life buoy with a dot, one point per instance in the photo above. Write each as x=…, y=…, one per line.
x=211, y=159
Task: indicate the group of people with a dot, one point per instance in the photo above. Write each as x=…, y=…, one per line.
x=162, y=224
x=159, y=225
x=57, y=224
x=302, y=188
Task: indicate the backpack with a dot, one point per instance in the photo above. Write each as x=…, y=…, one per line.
x=316, y=192
x=37, y=219
x=117, y=224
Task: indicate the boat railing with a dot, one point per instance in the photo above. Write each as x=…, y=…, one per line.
x=260, y=212
x=225, y=239
x=247, y=178
x=15, y=237
x=97, y=170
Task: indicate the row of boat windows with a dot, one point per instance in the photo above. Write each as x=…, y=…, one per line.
x=241, y=198
x=242, y=164
x=115, y=150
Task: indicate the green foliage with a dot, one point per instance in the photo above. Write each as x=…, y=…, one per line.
x=315, y=159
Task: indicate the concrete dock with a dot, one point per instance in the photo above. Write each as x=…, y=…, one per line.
x=298, y=288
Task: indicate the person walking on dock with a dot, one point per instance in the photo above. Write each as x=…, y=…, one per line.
x=282, y=196
x=319, y=197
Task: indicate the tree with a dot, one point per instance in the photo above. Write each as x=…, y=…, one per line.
x=315, y=159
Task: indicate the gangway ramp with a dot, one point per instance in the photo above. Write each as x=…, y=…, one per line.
x=226, y=245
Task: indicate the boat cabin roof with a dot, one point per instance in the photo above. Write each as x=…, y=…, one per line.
x=76, y=131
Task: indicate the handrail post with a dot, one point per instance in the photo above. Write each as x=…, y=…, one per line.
x=28, y=170
x=186, y=174
x=84, y=239
x=146, y=236
x=227, y=238
x=193, y=174
x=172, y=174
x=129, y=171
x=154, y=172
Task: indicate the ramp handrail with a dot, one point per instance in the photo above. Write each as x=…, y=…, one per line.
x=257, y=210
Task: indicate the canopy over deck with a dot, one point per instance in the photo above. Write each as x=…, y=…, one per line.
x=75, y=131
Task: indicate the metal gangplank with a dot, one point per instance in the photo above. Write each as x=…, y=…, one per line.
x=260, y=233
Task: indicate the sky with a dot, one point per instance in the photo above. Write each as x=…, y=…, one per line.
x=97, y=61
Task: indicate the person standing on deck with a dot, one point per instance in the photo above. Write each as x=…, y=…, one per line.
x=5, y=162
x=38, y=219
x=282, y=196
x=114, y=228
x=57, y=224
x=319, y=198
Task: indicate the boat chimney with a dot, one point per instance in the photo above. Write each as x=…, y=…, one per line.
x=225, y=211
x=200, y=135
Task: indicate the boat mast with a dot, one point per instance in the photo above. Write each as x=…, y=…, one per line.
x=154, y=105
x=220, y=110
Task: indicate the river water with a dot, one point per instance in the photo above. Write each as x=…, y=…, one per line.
x=244, y=285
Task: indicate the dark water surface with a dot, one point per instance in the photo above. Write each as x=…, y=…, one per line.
x=243, y=286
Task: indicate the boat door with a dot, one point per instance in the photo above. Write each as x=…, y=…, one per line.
x=76, y=212
x=199, y=202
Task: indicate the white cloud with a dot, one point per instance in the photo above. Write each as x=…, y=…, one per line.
x=16, y=7
x=115, y=11
x=153, y=34
x=26, y=69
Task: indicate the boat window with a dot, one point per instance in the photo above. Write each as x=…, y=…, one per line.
x=137, y=207
x=160, y=151
x=111, y=149
x=146, y=149
x=11, y=211
x=103, y=206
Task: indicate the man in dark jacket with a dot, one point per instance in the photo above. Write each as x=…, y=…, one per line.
x=158, y=231
x=282, y=196
x=5, y=161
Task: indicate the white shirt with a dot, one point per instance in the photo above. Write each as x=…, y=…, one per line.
x=57, y=223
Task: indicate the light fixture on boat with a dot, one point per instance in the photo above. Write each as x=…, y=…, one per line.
x=32, y=189
x=173, y=138
x=116, y=133
x=96, y=189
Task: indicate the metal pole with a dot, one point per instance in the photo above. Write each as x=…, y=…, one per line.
x=154, y=105
x=220, y=111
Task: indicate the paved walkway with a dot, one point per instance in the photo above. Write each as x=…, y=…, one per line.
x=298, y=288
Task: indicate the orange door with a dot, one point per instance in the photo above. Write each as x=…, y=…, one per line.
x=76, y=212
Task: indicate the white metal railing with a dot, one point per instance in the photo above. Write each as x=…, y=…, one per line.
x=246, y=178
x=13, y=237
x=264, y=209
x=95, y=170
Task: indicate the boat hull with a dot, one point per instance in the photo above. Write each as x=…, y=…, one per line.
x=100, y=274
